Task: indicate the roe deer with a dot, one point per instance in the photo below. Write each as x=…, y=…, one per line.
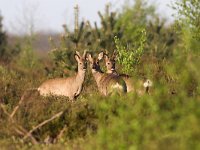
x=106, y=83
x=70, y=86
x=138, y=86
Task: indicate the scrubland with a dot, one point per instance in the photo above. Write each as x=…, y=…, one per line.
x=168, y=117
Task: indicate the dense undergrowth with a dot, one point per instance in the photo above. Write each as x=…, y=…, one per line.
x=166, y=118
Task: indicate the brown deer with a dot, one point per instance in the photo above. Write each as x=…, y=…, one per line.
x=71, y=86
x=107, y=83
x=138, y=86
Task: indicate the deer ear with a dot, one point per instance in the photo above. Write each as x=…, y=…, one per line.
x=100, y=56
x=77, y=53
x=89, y=57
x=77, y=57
x=85, y=54
x=106, y=56
x=114, y=55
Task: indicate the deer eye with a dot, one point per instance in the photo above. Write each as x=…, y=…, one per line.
x=80, y=63
x=108, y=63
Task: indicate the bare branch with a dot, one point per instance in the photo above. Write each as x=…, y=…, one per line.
x=18, y=128
x=43, y=123
x=4, y=110
x=61, y=133
x=34, y=141
x=17, y=107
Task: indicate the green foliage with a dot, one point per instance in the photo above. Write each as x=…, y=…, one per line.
x=62, y=58
x=189, y=15
x=7, y=81
x=161, y=40
x=149, y=124
x=7, y=53
x=108, y=29
x=129, y=57
x=3, y=40
x=27, y=58
x=134, y=18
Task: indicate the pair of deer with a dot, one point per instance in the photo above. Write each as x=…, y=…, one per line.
x=107, y=82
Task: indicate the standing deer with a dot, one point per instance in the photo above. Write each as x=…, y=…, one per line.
x=106, y=83
x=70, y=86
x=138, y=86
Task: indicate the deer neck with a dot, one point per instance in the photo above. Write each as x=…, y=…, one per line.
x=97, y=75
x=80, y=76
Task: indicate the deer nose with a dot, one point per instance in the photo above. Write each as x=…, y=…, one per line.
x=93, y=66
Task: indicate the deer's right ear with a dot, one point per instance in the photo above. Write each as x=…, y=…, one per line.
x=89, y=57
x=100, y=56
x=114, y=55
x=77, y=57
x=85, y=54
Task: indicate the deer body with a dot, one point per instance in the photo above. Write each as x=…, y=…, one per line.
x=106, y=83
x=70, y=87
x=133, y=85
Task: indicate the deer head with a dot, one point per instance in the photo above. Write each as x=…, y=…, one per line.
x=81, y=60
x=110, y=62
x=94, y=62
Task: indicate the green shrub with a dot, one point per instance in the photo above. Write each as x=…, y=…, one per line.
x=129, y=57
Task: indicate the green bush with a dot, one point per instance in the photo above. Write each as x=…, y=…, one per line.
x=129, y=57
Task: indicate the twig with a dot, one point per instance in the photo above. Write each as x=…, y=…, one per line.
x=34, y=141
x=20, y=130
x=61, y=133
x=4, y=110
x=43, y=123
x=17, y=107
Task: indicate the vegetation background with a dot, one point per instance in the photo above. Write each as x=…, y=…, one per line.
x=167, y=118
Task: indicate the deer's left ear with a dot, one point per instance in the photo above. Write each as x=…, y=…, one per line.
x=100, y=56
x=77, y=57
x=77, y=53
